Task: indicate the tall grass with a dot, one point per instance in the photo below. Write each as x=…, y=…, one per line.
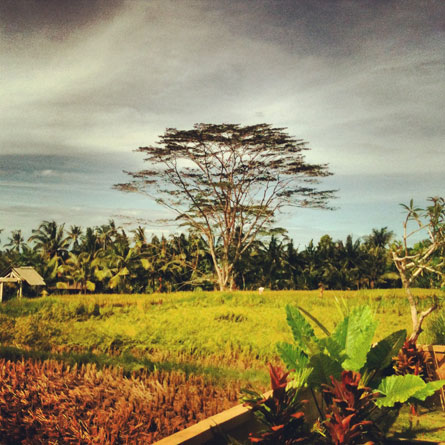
x=224, y=334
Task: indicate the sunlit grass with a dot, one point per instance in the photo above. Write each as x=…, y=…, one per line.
x=233, y=331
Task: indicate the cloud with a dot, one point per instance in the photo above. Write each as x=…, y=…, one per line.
x=361, y=81
x=47, y=172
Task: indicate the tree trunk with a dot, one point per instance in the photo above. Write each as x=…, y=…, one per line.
x=417, y=319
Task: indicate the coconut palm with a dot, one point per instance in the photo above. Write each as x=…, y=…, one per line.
x=50, y=239
x=379, y=237
x=78, y=269
x=74, y=236
x=117, y=265
x=107, y=233
x=16, y=241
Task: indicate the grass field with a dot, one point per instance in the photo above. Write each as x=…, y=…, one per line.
x=223, y=336
x=230, y=335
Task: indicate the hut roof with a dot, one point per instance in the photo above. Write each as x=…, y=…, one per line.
x=28, y=274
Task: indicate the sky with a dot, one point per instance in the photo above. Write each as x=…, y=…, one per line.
x=83, y=84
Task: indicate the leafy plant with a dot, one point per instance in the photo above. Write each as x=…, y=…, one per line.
x=349, y=347
x=411, y=360
x=280, y=414
x=406, y=388
x=346, y=358
x=348, y=407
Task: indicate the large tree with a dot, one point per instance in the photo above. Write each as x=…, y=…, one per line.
x=227, y=182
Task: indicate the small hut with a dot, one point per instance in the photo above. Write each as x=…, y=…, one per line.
x=19, y=275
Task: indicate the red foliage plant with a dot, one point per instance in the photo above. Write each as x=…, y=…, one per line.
x=49, y=402
x=280, y=414
x=412, y=360
x=348, y=407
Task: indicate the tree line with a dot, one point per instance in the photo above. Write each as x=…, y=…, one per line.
x=108, y=258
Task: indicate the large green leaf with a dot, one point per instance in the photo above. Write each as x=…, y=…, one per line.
x=323, y=368
x=354, y=335
x=334, y=350
x=428, y=390
x=380, y=356
x=400, y=388
x=292, y=356
x=302, y=331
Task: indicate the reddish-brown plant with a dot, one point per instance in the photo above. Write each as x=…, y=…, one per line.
x=411, y=360
x=348, y=408
x=280, y=414
x=48, y=403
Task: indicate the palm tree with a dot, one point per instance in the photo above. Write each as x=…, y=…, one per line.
x=74, y=236
x=107, y=233
x=50, y=239
x=90, y=241
x=139, y=236
x=351, y=256
x=379, y=237
x=16, y=241
x=78, y=269
x=117, y=265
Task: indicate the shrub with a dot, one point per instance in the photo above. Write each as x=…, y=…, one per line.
x=348, y=411
x=412, y=360
x=280, y=414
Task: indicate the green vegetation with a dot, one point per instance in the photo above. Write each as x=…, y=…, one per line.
x=215, y=332
x=108, y=259
x=357, y=386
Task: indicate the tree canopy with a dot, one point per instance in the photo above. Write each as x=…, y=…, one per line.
x=227, y=182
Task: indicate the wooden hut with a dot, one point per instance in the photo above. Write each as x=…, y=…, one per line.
x=19, y=275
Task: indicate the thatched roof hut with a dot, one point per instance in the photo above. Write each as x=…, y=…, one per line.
x=20, y=275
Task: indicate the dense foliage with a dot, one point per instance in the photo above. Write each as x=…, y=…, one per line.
x=108, y=259
x=48, y=403
x=353, y=382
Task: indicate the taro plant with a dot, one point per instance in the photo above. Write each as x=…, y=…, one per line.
x=345, y=366
x=349, y=347
x=412, y=360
